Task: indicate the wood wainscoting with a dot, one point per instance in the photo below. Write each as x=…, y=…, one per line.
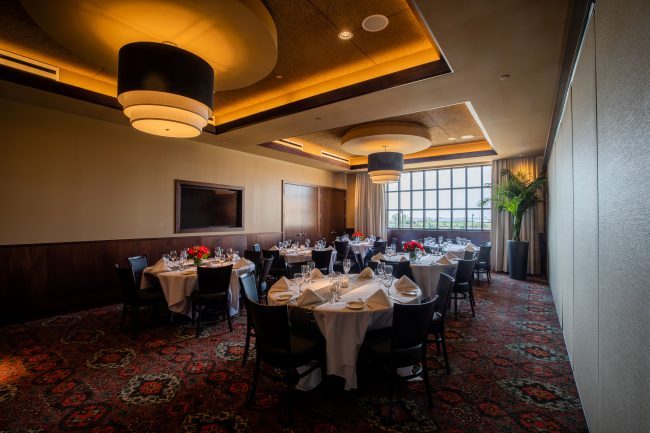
x=40, y=280
x=476, y=236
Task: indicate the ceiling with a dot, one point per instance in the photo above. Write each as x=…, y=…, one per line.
x=481, y=42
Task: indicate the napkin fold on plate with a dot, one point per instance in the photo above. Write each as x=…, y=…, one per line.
x=189, y=272
x=450, y=255
x=307, y=297
x=157, y=268
x=281, y=285
x=402, y=259
x=366, y=273
x=378, y=257
x=241, y=263
x=443, y=261
x=379, y=298
x=274, y=248
x=316, y=274
x=470, y=247
x=405, y=283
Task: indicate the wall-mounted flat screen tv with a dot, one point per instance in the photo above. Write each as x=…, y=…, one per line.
x=202, y=207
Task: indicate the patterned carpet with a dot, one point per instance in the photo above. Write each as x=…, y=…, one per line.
x=77, y=372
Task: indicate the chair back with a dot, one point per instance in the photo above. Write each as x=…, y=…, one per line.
x=411, y=324
x=294, y=268
x=257, y=248
x=277, y=261
x=484, y=254
x=253, y=256
x=464, y=271
x=379, y=244
x=469, y=255
x=214, y=280
x=138, y=264
x=340, y=247
x=127, y=282
x=248, y=283
x=372, y=265
x=271, y=328
x=486, y=244
x=322, y=258
x=359, y=261
x=400, y=268
x=266, y=269
x=376, y=250
x=443, y=293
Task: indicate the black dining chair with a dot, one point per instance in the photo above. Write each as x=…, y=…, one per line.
x=293, y=268
x=322, y=260
x=279, y=348
x=138, y=265
x=342, y=252
x=249, y=292
x=463, y=285
x=278, y=269
x=400, y=269
x=380, y=244
x=257, y=248
x=262, y=281
x=469, y=255
x=134, y=298
x=482, y=265
x=437, y=324
x=254, y=257
x=402, y=345
x=213, y=291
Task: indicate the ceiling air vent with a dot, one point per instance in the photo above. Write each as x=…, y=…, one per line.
x=334, y=157
x=26, y=64
x=289, y=143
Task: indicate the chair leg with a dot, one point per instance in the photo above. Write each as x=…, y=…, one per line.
x=226, y=311
x=487, y=272
x=198, y=321
x=456, y=307
x=471, y=301
x=425, y=375
x=256, y=375
x=248, y=341
x=123, y=317
x=443, y=343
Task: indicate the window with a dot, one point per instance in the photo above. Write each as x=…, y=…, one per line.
x=442, y=199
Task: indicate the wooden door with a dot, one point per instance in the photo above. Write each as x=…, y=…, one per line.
x=299, y=211
x=331, y=204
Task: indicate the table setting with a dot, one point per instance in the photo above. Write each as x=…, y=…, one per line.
x=344, y=308
x=297, y=253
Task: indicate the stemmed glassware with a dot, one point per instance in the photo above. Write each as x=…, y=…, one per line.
x=165, y=259
x=312, y=266
x=307, y=243
x=298, y=279
x=347, y=265
x=306, y=274
x=418, y=255
x=381, y=268
x=335, y=280
x=387, y=280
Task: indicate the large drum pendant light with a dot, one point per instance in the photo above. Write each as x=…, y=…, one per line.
x=164, y=89
x=385, y=167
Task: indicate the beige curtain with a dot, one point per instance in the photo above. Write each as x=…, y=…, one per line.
x=369, y=206
x=532, y=224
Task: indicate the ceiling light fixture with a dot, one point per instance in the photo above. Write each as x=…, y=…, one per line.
x=345, y=35
x=452, y=138
x=374, y=23
x=164, y=89
x=385, y=167
x=467, y=137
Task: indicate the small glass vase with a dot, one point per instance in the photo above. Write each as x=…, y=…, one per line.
x=198, y=262
x=412, y=256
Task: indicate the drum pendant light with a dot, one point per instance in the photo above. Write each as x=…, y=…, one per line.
x=385, y=167
x=164, y=89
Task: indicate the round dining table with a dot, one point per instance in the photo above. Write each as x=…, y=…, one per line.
x=361, y=247
x=301, y=255
x=178, y=285
x=344, y=328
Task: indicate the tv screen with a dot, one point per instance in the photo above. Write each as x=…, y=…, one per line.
x=208, y=207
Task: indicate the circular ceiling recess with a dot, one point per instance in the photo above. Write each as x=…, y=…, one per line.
x=237, y=38
x=402, y=137
x=374, y=23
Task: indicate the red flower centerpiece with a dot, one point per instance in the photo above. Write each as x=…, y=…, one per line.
x=198, y=253
x=357, y=235
x=411, y=246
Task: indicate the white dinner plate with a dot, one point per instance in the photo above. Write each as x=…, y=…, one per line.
x=283, y=297
x=409, y=292
x=355, y=305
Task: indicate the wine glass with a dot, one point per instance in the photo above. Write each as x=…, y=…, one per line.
x=312, y=266
x=347, y=264
x=165, y=259
x=173, y=255
x=418, y=255
x=306, y=274
x=334, y=277
x=387, y=280
x=298, y=279
x=381, y=268
x=307, y=243
x=388, y=270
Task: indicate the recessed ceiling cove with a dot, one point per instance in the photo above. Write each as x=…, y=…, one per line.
x=237, y=38
x=402, y=137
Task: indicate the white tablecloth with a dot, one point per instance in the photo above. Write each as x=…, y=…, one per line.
x=299, y=256
x=456, y=251
x=345, y=329
x=361, y=248
x=177, y=287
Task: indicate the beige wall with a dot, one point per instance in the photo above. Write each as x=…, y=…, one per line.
x=71, y=178
x=351, y=202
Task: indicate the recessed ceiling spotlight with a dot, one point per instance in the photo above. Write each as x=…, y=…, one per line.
x=452, y=138
x=467, y=137
x=504, y=77
x=317, y=118
x=345, y=35
x=279, y=77
x=374, y=23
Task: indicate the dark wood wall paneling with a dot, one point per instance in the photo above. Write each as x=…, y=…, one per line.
x=477, y=236
x=46, y=279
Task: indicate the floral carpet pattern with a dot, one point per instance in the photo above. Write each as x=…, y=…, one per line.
x=78, y=372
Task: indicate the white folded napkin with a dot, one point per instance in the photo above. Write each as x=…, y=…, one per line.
x=378, y=257
x=281, y=285
x=241, y=263
x=444, y=261
x=405, y=283
x=450, y=255
x=307, y=297
x=157, y=268
x=274, y=248
x=402, y=259
x=366, y=273
x=316, y=274
x=470, y=247
x=379, y=298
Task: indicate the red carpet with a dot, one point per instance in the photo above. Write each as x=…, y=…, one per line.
x=79, y=373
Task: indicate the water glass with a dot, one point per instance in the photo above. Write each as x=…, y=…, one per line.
x=387, y=280
x=381, y=268
x=388, y=270
x=298, y=279
x=347, y=264
x=418, y=255
x=312, y=266
x=165, y=259
x=307, y=243
x=173, y=255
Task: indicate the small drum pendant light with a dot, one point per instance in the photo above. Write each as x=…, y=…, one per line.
x=164, y=89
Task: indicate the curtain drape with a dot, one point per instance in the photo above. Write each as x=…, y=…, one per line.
x=369, y=206
x=531, y=226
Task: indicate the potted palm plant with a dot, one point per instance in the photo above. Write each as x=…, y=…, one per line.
x=516, y=195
